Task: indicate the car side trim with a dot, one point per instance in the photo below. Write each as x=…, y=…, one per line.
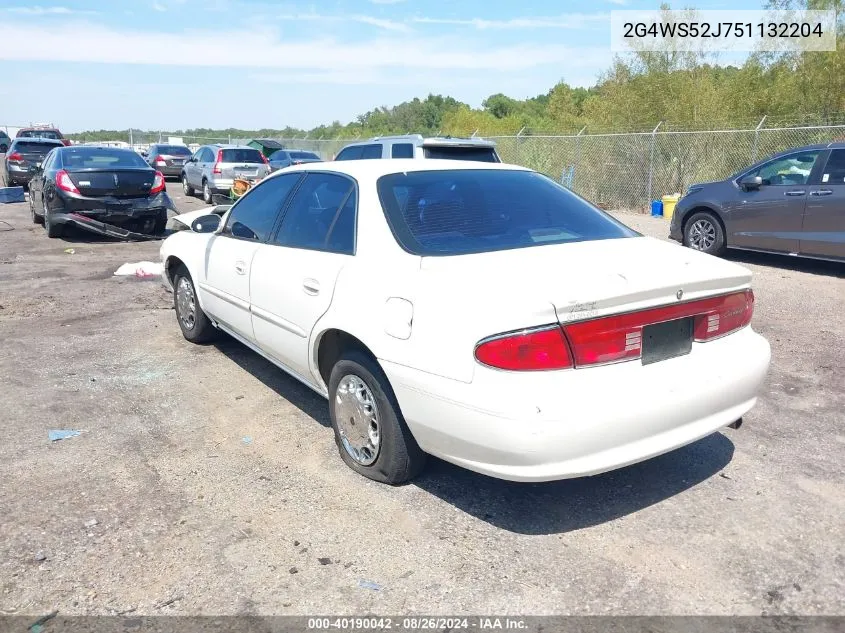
x=225, y=296
x=278, y=321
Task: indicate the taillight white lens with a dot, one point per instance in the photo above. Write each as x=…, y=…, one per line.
x=535, y=350
x=160, y=161
x=64, y=182
x=158, y=183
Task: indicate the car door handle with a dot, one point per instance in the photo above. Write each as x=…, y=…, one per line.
x=311, y=286
x=240, y=267
x=799, y=192
x=821, y=192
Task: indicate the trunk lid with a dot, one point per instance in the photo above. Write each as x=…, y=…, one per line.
x=120, y=183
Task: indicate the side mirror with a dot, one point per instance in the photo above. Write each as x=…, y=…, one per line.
x=751, y=182
x=206, y=224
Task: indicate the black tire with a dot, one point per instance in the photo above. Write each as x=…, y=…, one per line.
x=53, y=229
x=399, y=458
x=188, y=189
x=207, y=194
x=161, y=222
x=703, y=232
x=202, y=330
x=4, y=148
x=36, y=219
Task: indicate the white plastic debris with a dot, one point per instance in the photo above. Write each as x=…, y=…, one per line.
x=144, y=270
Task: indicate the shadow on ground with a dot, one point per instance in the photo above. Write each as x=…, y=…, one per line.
x=787, y=262
x=533, y=508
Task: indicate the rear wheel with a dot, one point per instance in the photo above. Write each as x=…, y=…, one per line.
x=53, y=229
x=703, y=232
x=188, y=189
x=371, y=434
x=195, y=325
x=206, y=192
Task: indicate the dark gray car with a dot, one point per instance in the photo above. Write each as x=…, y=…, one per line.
x=791, y=203
x=286, y=157
x=168, y=159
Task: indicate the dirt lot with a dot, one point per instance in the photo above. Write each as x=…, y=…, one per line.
x=206, y=479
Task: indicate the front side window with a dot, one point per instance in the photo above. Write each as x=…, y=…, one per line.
x=253, y=216
x=321, y=215
x=789, y=170
x=279, y=155
x=371, y=151
x=454, y=212
x=350, y=153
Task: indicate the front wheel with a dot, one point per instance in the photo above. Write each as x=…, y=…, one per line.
x=703, y=232
x=371, y=434
x=195, y=325
x=188, y=189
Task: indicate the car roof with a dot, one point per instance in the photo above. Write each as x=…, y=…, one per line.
x=426, y=140
x=230, y=146
x=38, y=139
x=375, y=168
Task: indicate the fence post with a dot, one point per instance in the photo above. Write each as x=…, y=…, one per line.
x=756, y=138
x=473, y=134
x=518, y=153
x=577, y=156
x=651, y=162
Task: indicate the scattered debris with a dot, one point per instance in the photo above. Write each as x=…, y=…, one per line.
x=369, y=584
x=167, y=603
x=91, y=523
x=347, y=565
x=40, y=557
x=724, y=476
x=38, y=625
x=239, y=397
x=293, y=570
x=296, y=543
x=407, y=574
x=62, y=434
x=325, y=561
x=246, y=440
x=142, y=270
x=70, y=251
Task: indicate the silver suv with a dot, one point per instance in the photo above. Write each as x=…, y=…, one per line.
x=417, y=146
x=212, y=168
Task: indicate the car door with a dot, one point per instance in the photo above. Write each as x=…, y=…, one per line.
x=823, y=231
x=294, y=274
x=190, y=167
x=36, y=183
x=770, y=217
x=225, y=291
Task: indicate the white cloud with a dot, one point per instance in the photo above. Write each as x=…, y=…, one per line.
x=388, y=25
x=386, y=1
x=38, y=10
x=620, y=3
x=259, y=47
x=571, y=21
x=159, y=7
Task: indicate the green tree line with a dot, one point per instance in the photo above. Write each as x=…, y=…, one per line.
x=682, y=89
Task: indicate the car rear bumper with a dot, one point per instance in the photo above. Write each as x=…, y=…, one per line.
x=109, y=209
x=17, y=175
x=170, y=171
x=542, y=426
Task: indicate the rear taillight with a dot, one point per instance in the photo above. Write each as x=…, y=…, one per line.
x=158, y=183
x=64, y=182
x=264, y=158
x=216, y=169
x=613, y=338
x=543, y=349
x=15, y=157
x=65, y=142
x=160, y=161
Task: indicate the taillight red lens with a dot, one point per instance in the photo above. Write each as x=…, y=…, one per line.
x=729, y=314
x=64, y=182
x=160, y=159
x=526, y=351
x=15, y=157
x=216, y=169
x=158, y=183
x=264, y=158
x=65, y=142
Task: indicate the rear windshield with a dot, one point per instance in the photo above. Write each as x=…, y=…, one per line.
x=173, y=150
x=242, y=156
x=304, y=156
x=455, y=212
x=39, y=134
x=31, y=147
x=101, y=158
x=482, y=154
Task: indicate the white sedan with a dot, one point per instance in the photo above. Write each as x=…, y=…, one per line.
x=477, y=312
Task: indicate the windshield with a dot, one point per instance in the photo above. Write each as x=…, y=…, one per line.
x=39, y=134
x=304, y=156
x=481, y=154
x=173, y=150
x=101, y=158
x=454, y=212
x=242, y=156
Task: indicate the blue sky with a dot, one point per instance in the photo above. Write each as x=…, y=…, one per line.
x=169, y=64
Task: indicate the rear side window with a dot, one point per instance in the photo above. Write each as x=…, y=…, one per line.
x=371, y=151
x=402, y=150
x=33, y=147
x=456, y=212
x=242, y=156
x=101, y=157
x=279, y=155
x=321, y=216
x=482, y=154
x=253, y=216
x=350, y=153
x=834, y=171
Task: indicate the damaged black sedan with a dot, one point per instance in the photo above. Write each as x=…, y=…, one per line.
x=107, y=190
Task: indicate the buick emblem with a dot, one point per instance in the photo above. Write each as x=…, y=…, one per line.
x=679, y=294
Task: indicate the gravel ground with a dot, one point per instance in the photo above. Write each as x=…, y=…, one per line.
x=207, y=482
